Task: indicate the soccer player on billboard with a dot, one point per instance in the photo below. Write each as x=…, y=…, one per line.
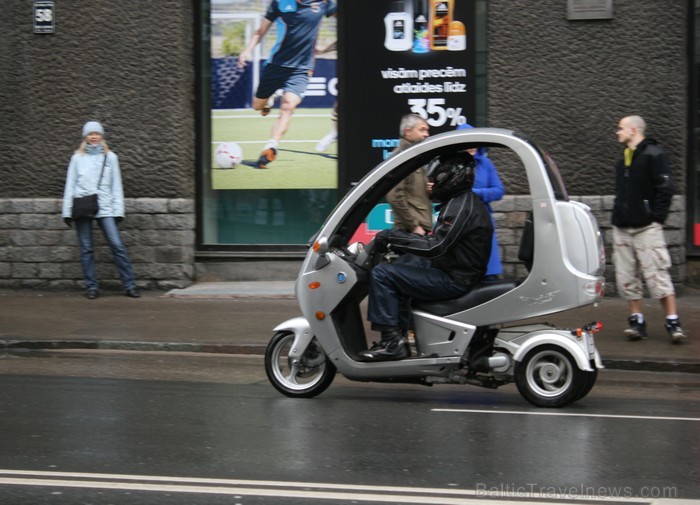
x=290, y=63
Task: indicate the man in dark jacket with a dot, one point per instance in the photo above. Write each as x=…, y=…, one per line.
x=452, y=259
x=643, y=193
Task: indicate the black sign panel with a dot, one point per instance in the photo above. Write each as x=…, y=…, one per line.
x=44, y=17
x=400, y=57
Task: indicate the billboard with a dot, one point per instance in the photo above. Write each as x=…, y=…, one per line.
x=249, y=199
x=399, y=57
x=373, y=61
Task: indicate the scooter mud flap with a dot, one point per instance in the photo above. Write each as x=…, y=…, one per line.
x=302, y=334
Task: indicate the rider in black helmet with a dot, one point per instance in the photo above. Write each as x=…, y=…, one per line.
x=451, y=175
x=453, y=258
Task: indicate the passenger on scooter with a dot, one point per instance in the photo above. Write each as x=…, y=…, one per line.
x=452, y=259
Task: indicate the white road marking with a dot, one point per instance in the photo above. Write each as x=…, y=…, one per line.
x=566, y=414
x=305, y=490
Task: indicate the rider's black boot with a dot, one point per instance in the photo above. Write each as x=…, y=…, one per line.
x=392, y=347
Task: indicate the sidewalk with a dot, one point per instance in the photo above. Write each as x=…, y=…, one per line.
x=238, y=317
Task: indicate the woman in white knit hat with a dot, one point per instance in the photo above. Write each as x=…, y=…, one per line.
x=94, y=169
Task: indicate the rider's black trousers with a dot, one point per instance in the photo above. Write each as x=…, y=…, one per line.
x=393, y=285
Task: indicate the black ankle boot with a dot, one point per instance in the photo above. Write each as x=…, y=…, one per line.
x=392, y=347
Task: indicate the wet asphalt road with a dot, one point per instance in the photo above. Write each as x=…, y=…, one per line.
x=123, y=428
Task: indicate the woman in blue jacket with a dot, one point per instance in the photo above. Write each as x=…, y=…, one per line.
x=488, y=186
x=93, y=168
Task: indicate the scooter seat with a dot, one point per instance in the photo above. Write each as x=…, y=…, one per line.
x=481, y=293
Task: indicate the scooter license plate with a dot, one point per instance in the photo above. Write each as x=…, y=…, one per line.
x=591, y=344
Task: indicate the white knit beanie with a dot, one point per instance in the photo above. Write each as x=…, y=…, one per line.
x=93, y=126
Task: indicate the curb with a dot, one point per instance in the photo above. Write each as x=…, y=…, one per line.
x=259, y=349
x=121, y=345
x=652, y=366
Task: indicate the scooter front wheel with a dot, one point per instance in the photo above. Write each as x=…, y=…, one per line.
x=306, y=377
x=548, y=376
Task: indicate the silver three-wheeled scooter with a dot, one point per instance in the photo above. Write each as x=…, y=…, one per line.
x=474, y=339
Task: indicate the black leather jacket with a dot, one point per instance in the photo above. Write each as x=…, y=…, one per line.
x=460, y=243
x=643, y=191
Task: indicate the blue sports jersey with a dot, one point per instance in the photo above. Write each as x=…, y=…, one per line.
x=297, y=29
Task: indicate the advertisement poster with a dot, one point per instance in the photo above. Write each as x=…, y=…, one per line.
x=252, y=199
x=372, y=62
x=400, y=57
x=300, y=35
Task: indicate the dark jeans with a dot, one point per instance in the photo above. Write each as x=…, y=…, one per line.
x=109, y=228
x=393, y=285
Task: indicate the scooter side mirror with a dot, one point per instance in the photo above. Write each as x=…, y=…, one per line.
x=321, y=248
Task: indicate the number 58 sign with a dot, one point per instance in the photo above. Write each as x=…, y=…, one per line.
x=44, y=16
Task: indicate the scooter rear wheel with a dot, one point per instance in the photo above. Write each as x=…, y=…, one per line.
x=548, y=376
x=589, y=382
x=308, y=377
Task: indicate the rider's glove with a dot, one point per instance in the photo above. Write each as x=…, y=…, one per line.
x=381, y=241
x=380, y=245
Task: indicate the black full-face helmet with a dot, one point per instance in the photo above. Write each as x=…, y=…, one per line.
x=451, y=175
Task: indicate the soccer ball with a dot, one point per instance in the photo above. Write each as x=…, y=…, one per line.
x=228, y=155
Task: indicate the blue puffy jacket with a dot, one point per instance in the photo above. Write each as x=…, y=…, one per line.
x=488, y=186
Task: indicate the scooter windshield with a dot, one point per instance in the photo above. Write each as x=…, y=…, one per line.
x=362, y=212
x=552, y=169
x=555, y=179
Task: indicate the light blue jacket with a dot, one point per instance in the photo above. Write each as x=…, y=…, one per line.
x=82, y=178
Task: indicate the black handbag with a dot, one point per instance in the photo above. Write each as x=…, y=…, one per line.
x=86, y=206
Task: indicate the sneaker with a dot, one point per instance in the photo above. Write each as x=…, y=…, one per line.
x=326, y=141
x=673, y=327
x=266, y=157
x=91, y=294
x=637, y=330
x=392, y=347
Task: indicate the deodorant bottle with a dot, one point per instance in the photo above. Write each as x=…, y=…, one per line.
x=399, y=28
x=421, y=39
x=457, y=37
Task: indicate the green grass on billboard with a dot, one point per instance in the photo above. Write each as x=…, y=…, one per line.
x=298, y=165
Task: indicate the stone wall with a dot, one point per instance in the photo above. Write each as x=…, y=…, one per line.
x=37, y=250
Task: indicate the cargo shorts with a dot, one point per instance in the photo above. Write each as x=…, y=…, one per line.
x=642, y=253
